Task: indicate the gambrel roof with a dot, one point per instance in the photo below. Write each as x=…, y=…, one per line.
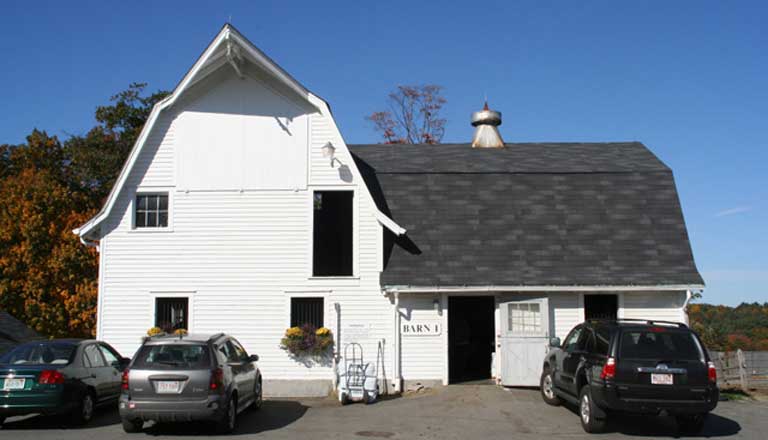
x=228, y=47
x=533, y=214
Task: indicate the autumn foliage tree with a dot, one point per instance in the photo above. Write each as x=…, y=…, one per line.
x=48, y=279
x=724, y=328
x=413, y=116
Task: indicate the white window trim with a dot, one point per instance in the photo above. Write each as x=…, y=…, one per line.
x=190, y=295
x=355, y=234
x=164, y=191
x=324, y=294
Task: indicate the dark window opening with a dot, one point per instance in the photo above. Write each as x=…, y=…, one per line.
x=151, y=211
x=172, y=313
x=601, y=307
x=332, y=247
x=307, y=311
x=471, y=338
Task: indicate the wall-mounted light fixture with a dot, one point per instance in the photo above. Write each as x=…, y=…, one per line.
x=329, y=152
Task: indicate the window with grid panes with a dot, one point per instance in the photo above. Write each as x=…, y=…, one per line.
x=151, y=211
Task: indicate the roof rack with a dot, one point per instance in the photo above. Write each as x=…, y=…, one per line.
x=643, y=321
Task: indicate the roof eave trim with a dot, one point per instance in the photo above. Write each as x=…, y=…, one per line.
x=389, y=223
x=551, y=288
x=226, y=33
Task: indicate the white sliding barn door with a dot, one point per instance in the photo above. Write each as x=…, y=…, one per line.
x=524, y=340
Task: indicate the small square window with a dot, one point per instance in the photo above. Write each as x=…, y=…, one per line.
x=172, y=313
x=307, y=311
x=151, y=211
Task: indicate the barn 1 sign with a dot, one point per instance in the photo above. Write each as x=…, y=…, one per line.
x=421, y=329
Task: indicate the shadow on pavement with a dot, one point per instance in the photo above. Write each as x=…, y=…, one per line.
x=274, y=414
x=664, y=426
x=102, y=417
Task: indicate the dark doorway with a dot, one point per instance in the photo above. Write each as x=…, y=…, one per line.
x=601, y=306
x=332, y=248
x=470, y=337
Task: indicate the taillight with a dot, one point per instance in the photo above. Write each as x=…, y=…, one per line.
x=609, y=369
x=711, y=372
x=217, y=379
x=50, y=377
x=124, y=380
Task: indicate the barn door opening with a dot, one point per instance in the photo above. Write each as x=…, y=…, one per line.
x=470, y=337
x=601, y=307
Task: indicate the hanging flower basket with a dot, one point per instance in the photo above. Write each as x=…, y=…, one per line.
x=307, y=341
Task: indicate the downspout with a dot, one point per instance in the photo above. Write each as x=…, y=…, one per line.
x=398, y=379
x=688, y=298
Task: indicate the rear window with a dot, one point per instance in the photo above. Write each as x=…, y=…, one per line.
x=659, y=344
x=40, y=353
x=173, y=357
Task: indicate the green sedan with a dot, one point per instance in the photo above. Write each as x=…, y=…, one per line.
x=63, y=377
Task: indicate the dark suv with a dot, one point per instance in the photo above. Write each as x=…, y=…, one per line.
x=631, y=366
x=189, y=377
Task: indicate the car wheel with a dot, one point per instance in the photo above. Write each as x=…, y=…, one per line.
x=588, y=411
x=83, y=412
x=547, y=386
x=227, y=423
x=258, y=400
x=132, y=425
x=691, y=425
x=2, y=420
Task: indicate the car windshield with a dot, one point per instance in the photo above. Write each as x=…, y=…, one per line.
x=172, y=356
x=40, y=353
x=659, y=344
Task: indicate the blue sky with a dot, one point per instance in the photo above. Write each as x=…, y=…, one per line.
x=689, y=79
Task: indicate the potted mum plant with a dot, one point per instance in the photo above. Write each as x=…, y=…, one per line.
x=307, y=341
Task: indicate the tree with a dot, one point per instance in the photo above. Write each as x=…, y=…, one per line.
x=97, y=157
x=413, y=116
x=48, y=279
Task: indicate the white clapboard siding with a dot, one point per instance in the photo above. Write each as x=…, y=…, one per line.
x=424, y=355
x=564, y=312
x=665, y=306
x=239, y=257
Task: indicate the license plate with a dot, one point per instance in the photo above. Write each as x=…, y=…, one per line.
x=167, y=386
x=14, y=384
x=661, y=379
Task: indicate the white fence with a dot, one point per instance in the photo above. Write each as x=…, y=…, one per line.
x=741, y=369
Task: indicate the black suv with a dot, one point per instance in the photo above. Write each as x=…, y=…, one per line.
x=189, y=377
x=631, y=366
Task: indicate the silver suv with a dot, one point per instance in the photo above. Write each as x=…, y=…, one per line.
x=191, y=377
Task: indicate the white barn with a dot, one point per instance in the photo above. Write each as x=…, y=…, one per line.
x=447, y=262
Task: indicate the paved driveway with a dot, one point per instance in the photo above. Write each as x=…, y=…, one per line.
x=457, y=412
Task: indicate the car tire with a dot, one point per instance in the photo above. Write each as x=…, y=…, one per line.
x=2, y=420
x=547, y=386
x=691, y=424
x=132, y=426
x=258, y=399
x=229, y=420
x=83, y=412
x=587, y=412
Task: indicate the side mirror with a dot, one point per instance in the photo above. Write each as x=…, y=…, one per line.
x=554, y=342
x=253, y=358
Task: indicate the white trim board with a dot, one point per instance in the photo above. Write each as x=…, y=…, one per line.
x=481, y=289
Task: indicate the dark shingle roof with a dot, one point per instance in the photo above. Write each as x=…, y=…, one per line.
x=530, y=214
x=13, y=331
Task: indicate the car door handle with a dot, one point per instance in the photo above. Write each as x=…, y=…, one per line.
x=93, y=376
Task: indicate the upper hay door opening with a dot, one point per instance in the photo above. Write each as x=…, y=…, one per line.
x=486, y=134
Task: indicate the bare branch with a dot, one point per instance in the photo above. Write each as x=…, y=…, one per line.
x=413, y=116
